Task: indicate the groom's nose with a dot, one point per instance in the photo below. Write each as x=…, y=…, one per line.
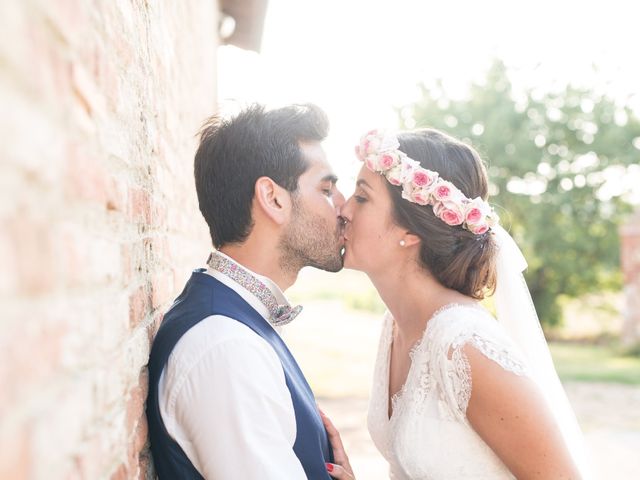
x=338, y=200
x=345, y=210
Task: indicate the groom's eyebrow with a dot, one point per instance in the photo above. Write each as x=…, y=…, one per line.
x=330, y=178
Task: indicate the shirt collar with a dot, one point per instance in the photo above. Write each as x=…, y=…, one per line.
x=271, y=302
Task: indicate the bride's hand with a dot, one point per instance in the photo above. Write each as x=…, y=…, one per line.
x=342, y=468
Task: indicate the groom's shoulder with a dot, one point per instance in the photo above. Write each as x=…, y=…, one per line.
x=218, y=349
x=219, y=335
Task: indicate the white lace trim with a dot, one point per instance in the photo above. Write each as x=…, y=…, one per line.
x=424, y=377
x=446, y=366
x=503, y=355
x=430, y=408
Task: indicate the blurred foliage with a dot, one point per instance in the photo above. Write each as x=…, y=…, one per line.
x=367, y=300
x=551, y=158
x=364, y=299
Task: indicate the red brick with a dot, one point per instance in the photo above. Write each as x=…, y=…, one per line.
x=154, y=325
x=85, y=177
x=14, y=455
x=121, y=473
x=135, y=407
x=160, y=215
x=23, y=374
x=129, y=266
x=161, y=289
x=630, y=255
x=116, y=194
x=139, y=206
x=146, y=468
x=104, y=120
x=139, y=306
x=141, y=435
x=30, y=241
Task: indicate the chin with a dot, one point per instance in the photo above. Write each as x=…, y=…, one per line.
x=329, y=263
x=348, y=260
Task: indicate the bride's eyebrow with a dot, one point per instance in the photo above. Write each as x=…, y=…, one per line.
x=363, y=183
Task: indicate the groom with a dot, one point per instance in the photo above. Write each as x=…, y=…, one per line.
x=226, y=398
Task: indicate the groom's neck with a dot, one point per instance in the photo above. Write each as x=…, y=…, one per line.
x=261, y=257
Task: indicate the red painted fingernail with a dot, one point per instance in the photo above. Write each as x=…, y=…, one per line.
x=329, y=467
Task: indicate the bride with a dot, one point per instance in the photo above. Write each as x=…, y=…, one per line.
x=457, y=394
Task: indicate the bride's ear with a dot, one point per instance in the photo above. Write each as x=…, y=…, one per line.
x=273, y=200
x=409, y=239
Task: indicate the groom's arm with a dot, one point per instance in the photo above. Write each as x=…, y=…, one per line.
x=236, y=414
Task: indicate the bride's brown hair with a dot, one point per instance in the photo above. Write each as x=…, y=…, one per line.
x=457, y=258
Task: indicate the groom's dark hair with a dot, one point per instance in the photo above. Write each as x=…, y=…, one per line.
x=235, y=152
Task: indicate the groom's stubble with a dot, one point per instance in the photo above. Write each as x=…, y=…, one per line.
x=310, y=241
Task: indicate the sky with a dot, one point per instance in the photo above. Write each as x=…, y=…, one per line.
x=360, y=60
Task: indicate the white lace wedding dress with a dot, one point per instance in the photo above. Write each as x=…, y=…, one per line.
x=428, y=435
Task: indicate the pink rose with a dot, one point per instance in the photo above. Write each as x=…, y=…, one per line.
x=473, y=216
x=371, y=144
x=449, y=212
x=395, y=175
x=407, y=192
x=421, y=178
x=420, y=196
x=437, y=208
x=408, y=165
x=442, y=192
x=388, y=160
x=478, y=214
x=450, y=217
x=370, y=162
x=479, y=229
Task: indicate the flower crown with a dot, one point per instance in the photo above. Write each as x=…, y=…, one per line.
x=379, y=151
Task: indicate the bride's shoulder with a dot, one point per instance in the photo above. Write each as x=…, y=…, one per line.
x=456, y=319
x=474, y=326
x=459, y=324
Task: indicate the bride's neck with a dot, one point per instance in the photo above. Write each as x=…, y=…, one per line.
x=412, y=296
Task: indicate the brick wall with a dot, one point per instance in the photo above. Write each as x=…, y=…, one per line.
x=99, y=225
x=630, y=255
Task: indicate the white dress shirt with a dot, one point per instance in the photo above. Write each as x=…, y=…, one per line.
x=224, y=400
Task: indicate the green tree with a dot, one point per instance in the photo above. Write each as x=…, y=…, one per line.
x=550, y=156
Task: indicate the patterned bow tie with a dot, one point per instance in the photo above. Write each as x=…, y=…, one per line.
x=279, y=314
x=285, y=314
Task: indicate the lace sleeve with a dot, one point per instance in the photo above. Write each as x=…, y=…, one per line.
x=486, y=336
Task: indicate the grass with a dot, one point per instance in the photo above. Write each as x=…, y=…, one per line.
x=595, y=363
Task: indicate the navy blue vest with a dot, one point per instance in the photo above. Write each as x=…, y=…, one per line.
x=202, y=297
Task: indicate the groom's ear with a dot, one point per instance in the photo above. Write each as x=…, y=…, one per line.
x=273, y=200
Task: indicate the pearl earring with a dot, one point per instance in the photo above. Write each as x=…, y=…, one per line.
x=402, y=243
